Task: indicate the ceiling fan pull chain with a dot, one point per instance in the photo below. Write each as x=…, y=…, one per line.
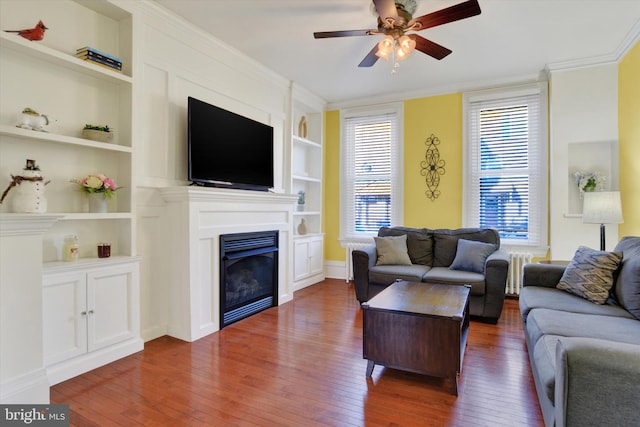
x=394, y=59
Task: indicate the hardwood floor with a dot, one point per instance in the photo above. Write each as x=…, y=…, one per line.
x=301, y=364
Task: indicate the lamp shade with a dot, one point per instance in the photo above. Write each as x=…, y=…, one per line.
x=602, y=207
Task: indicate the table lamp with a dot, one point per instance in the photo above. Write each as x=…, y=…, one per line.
x=602, y=207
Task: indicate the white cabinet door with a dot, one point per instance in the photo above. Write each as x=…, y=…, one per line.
x=301, y=259
x=316, y=256
x=308, y=257
x=65, y=316
x=110, y=303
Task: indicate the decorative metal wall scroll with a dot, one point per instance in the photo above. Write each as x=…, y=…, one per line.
x=432, y=167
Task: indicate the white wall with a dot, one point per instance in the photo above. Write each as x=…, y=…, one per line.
x=23, y=378
x=175, y=60
x=583, y=134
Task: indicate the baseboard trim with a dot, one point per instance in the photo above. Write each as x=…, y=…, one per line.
x=30, y=388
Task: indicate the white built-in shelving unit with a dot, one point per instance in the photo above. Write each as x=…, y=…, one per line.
x=47, y=77
x=306, y=175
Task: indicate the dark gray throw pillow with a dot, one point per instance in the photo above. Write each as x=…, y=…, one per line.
x=590, y=274
x=627, y=287
x=471, y=255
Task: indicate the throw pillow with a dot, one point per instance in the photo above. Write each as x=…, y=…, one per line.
x=419, y=243
x=590, y=274
x=471, y=255
x=627, y=286
x=392, y=250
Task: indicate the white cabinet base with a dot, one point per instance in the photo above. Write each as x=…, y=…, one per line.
x=91, y=315
x=308, y=266
x=79, y=365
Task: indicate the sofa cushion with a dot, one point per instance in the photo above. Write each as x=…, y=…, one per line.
x=446, y=276
x=590, y=274
x=419, y=243
x=471, y=255
x=627, y=286
x=542, y=321
x=540, y=297
x=387, y=274
x=445, y=242
x=392, y=250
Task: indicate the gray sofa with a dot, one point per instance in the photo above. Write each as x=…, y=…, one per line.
x=431, y=253
x=585, y=357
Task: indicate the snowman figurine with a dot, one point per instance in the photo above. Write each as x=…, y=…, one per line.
x=30, y=186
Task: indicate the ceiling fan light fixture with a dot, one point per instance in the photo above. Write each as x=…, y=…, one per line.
x=406, y=45
x=385, y=47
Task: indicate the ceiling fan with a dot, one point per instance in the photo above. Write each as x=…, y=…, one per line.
x=395, y=21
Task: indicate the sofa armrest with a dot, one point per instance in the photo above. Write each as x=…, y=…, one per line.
x=597, y=382
x=363, y=259
x=546, y=275
x=496, y=270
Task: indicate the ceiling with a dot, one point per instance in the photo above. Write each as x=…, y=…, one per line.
x=510, y=41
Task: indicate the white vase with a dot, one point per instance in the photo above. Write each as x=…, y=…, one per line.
x=97, y=202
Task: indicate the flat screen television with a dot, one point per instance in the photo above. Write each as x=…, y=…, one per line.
x=228, y=150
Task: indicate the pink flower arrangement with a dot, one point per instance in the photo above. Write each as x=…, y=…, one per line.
x=98, y=183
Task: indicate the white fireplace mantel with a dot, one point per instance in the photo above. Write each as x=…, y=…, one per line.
x=194, y=220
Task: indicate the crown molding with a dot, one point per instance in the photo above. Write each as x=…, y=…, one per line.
x=613, y=58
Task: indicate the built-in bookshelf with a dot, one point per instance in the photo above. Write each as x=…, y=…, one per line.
x=90, y=306
x=306, y=176
x=47, y=76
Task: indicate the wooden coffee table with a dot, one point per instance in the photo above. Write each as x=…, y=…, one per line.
x=418, y=327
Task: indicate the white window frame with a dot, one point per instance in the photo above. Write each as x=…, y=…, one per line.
x=348, y=235
x=537, y=244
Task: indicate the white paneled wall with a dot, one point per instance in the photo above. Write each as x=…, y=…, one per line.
x=177, y=60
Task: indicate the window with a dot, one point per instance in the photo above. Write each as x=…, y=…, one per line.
x=371, y=193
x=505, y=183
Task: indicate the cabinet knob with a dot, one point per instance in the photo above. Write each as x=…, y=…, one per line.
x=84, y=313
x=90, y=311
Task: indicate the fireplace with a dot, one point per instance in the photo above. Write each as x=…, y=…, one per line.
x=248, y=274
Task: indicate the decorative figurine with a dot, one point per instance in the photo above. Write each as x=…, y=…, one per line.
x=301, y=201
x=31, y=119
x=33, y=34
x=30, y=190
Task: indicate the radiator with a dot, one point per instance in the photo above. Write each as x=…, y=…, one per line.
x=514, y=278
x=349, y=247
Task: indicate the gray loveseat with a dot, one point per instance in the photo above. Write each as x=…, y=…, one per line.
x=585, y=357
x=431, y=253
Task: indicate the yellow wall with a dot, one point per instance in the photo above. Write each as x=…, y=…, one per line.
x=438, y=115
x=629, y=140
x=442, y=116
x=331, y=187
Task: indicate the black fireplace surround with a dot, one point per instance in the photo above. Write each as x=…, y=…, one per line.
x=248, y=274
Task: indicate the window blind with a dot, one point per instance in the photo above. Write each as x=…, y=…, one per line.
x=505, y=185
x=370, y=154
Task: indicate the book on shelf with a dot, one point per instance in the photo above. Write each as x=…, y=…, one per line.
x=84, y=55
x=85, y=49
x=102, y=62
x=109, y=66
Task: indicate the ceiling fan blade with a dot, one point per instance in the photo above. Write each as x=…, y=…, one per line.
x=347, y=33
x=454, y=13
x=430, y=48
x=386, y=9
x=370, y=59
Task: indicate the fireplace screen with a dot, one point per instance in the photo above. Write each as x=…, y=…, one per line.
x=248, y=274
